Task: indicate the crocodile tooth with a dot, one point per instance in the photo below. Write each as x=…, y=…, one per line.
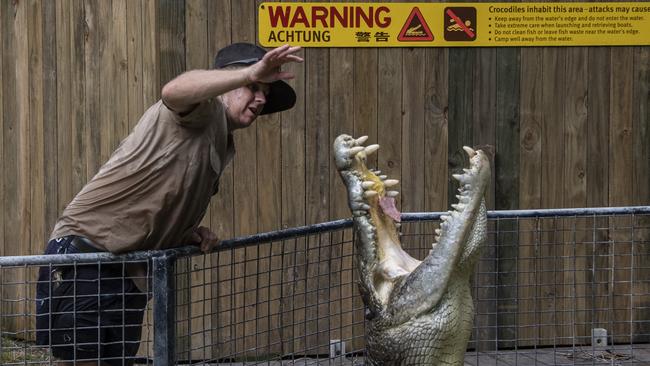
x=382, y=177
x=398, y=225
x=458, y=177
x=469, y=151
x=361, y=140
x=390, y=182
x=371, y=149
x=367, y=184
x=455, y=214
x=438, y=231
x=467, y=171
x=458, y=206
x=444, y=218
x=392, y=193
x=369, y=193
x=376, y=171
x=355, y=150
x=365, y=206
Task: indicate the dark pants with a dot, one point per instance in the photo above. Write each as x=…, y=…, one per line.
x=88, y=312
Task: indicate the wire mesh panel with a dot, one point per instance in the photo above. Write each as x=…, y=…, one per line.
x=551, y=289
x=285, y=300
x=47, y=302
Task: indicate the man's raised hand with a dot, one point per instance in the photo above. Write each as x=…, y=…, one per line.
x=268, y=69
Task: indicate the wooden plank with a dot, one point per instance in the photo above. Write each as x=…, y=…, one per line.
x=197, y=57
x=575, y=253
x=551, y=193
x=222, y=210
x=317, y=192
x=151, y=81
x=50, y=100
x=436, y=87
x=171, y=26
x=483, y=127
x=413, y=130
x=460, y=111
x=531, y=111
x=506, y=168
x=135, y=60
x=641, y=121
x=597, y=174
x=413, y=142
x=4, y=9
x=245, y=197
x=269, y=195
x=21, y=33
x=364, y=84
x=3, y=32
x=119, y=116
x=95, y=15
x=293, y=210
x=621, y=174
x=341, y=106
x=10, y=164
x=63, y=93
x=389, y=118
x=34, y=179
x=71, y=91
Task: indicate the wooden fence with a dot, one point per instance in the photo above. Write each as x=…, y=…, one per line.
x=567, y=127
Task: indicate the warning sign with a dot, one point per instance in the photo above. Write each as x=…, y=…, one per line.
x=373, y=24
x=415, y=28
x=460, y=24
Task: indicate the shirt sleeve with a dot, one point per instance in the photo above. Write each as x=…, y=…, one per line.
x=200, y=115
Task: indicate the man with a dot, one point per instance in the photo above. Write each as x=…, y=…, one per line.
x=152, y=194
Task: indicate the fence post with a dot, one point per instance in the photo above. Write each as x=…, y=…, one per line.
x=164, y=312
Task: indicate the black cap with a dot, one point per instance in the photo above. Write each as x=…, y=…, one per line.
x=281, y=95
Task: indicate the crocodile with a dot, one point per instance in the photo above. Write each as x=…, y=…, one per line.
x=417, y=312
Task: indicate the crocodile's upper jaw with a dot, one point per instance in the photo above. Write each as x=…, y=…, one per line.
x=377, y=219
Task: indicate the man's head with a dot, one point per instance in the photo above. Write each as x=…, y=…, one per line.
x=246, y=103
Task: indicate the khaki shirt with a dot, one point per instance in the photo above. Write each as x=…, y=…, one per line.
x=155, y=188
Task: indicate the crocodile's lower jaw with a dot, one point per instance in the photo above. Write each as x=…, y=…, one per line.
x=411, y=302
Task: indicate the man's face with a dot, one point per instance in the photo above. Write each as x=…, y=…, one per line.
x=244, y=104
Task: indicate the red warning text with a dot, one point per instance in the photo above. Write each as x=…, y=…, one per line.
x=288, y=16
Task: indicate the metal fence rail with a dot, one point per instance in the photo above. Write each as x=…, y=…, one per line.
x=553, y=287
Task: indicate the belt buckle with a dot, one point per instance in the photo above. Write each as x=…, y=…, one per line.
x=57, y=278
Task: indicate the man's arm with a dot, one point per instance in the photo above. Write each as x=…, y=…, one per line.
x=192, y=87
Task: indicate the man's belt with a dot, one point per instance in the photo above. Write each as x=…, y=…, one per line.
x=84, y=245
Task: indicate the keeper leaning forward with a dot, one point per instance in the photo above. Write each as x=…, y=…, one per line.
x=152, y=194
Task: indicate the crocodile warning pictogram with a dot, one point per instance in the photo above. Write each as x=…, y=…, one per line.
x=415, y=28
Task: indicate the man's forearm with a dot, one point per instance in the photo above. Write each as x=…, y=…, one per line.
x=195, y=86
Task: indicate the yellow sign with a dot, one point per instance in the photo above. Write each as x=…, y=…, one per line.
x=454, y=24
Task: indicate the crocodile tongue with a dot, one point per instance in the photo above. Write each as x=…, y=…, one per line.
x=387, y=205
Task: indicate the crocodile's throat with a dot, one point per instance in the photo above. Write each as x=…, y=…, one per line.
x=410, y=300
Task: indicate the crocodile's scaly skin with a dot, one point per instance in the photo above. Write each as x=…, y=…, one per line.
x=418, y=312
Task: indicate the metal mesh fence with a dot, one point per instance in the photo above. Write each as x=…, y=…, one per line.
x=74, y=326
x=552, y=287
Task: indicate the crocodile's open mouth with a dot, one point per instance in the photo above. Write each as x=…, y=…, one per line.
x=411, y=302
x=372, y=195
